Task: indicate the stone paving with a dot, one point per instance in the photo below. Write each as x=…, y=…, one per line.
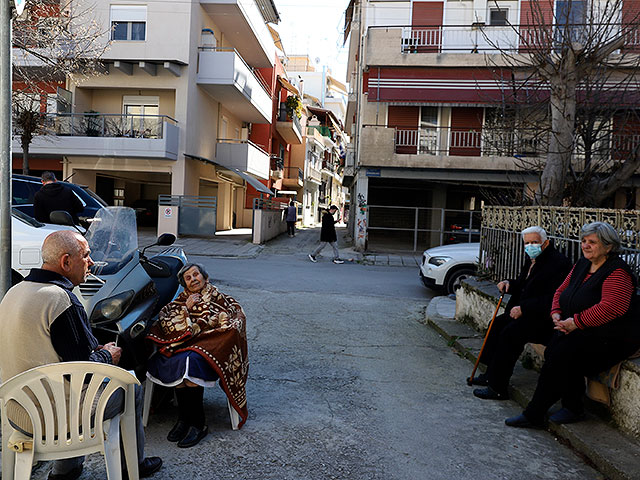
x=237, y=244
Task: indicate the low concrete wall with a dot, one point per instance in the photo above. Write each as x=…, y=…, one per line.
x=267, y=224
x=475, y=303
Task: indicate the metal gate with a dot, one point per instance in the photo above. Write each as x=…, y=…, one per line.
x=418, y=228
x=196, y=215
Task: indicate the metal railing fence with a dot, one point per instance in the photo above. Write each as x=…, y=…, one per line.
x=419, y=228
x=501, y=247
x=268, y=204
x=505, y=142
x=104, y=125
x=523, y=38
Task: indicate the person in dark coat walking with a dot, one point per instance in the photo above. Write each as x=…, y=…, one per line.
x=55, y=196
x=328, y=235
x=527, y=317
x=291, y=215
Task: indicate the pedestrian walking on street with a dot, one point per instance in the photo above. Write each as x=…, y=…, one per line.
x=291, y=216
x=328, y=235
x=55, y=196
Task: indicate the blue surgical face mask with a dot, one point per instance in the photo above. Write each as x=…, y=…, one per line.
x=533, y=250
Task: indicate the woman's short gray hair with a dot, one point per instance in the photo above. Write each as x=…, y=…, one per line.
x=605, y=233
x=537, y=230
x=187, y=267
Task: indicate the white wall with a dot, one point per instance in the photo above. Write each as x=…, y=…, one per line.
x=267, y=224
x=387, y=13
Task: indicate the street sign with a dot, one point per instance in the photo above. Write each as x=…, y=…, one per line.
x=19, y=6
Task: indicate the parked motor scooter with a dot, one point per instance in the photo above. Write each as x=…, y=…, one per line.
x=126, y=289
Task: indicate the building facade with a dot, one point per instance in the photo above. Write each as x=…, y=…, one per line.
x=188, y=113
x=428, y=81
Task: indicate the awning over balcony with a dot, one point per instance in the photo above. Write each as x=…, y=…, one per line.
x=438, y=85
x=254, y=182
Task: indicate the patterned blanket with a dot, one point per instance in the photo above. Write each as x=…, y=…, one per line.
x=215, y=328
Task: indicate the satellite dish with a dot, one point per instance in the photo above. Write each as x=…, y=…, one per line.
x=317, y=59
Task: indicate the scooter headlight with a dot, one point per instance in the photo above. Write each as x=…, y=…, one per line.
x=112, y=308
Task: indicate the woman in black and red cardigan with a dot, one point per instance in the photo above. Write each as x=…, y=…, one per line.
x=595, y=328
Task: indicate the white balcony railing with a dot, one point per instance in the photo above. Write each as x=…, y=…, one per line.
x=243, y=155
x=511, y=38
x=224, y=74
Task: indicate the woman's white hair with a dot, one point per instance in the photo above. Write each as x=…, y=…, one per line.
x=535, y=229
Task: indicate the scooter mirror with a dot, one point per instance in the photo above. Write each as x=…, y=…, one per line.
x=61, y=217
x=166, y=239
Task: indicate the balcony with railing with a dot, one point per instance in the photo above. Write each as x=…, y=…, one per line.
x=105, y=135
x=224, y=74
x=385, y=43
x=277, y=168
x=243, y=155
x=293, y=177
x=242, y=25
x=313, y=173
x=289, y=127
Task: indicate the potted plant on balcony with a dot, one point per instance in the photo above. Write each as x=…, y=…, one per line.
x=293, y=106
x=93, y=123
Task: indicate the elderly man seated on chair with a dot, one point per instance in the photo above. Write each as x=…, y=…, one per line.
x=202, y=338
x=43, y=322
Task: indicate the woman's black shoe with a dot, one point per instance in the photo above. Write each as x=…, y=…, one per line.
x=178, y=431
x=193, y=437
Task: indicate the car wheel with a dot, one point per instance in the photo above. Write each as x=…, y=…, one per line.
x=453, y=280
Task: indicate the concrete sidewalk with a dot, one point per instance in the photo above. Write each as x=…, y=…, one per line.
x=613, y=453
x=237, y=244
x=233, y=244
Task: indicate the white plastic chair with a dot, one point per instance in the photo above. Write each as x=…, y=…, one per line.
x=69, y=399
x=148, y=393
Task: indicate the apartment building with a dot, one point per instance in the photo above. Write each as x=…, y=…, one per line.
x=187, y=90
x=426, y=78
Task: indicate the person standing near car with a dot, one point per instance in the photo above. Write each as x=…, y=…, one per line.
x=328, y=235
x=55, y=196
x=527, y=317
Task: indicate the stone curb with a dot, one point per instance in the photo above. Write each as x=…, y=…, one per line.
x=610, y=451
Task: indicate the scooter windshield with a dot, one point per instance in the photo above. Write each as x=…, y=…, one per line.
x=113, y=239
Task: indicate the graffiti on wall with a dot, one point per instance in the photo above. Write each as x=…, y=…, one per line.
x=361, y=224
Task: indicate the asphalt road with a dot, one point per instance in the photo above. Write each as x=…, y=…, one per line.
x=346, y=382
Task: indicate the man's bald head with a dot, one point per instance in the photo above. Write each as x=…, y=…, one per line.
x=60, y=243
x=67, y=253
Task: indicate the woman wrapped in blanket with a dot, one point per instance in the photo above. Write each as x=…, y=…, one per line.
x=202, y=339
x=596, y=327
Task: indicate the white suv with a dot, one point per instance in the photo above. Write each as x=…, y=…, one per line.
x=444, y=267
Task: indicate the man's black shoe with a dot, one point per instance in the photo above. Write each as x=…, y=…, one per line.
x=70, y=475
x=193, y=437
x=480, y=380
x=178, y=431
x=149, y=466
x=490, y=394
x=521, y=421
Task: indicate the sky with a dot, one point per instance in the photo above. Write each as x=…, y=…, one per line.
x=315, y=27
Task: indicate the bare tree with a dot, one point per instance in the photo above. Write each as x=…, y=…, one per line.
x=53, y=41
x=572, y=92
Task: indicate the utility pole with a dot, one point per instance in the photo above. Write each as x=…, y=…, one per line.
x=5, y=143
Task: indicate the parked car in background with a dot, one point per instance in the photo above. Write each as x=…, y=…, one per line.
x=27, y=235
x=24, y=187
x=442, y=268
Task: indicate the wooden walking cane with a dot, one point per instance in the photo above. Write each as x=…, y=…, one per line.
x=475, y=367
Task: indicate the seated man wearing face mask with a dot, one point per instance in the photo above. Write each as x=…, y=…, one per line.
x=527, y=316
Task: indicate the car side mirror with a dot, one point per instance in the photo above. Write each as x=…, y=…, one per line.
x=61, y=217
